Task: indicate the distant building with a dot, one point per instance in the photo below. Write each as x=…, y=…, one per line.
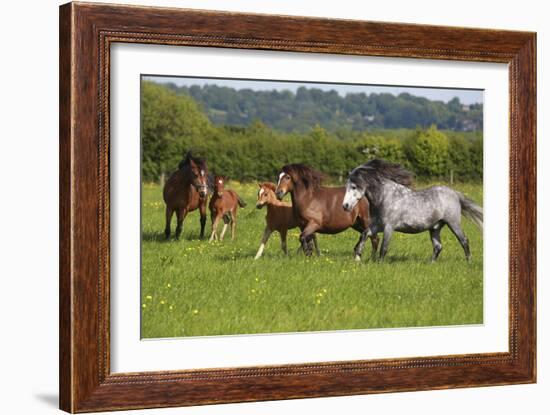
x=470, y=125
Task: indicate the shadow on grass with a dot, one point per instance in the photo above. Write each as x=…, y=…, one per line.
x=396, y=259
x=148, y=236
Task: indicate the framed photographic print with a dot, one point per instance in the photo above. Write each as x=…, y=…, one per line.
x=261, y=207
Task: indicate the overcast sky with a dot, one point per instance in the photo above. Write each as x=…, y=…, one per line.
x=466, y=96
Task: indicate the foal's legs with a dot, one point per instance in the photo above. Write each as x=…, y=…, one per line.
x=202, y=210
x=459, y=233
x=169, y=213
x=265, y=237
x=215, y=222
x=180, y=214
x=435, y=235
x=226, y=220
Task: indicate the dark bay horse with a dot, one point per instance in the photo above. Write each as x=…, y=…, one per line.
x=224, y=204
x=280, y=217
x=319, y=208
x=397, y=207
x=186, y=190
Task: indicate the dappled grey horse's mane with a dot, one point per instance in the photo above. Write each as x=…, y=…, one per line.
x=372, y=172
x=310, y=178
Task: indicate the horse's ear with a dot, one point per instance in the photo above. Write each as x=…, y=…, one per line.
x=259, y=185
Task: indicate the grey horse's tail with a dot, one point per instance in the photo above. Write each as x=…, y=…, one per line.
x=471, y=210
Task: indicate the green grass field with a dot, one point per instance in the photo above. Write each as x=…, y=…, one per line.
x=195, y=288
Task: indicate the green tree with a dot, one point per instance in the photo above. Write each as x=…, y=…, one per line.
x=170, y=125
x=428, y=152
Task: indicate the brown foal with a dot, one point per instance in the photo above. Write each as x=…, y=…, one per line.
x=319, y=209
x=224, y=205
x=280, y=217
x=186, y=190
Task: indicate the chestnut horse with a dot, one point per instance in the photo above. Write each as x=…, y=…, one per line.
x=319, y=209
x=186, y=190
x=280, y=217
x=224, y=205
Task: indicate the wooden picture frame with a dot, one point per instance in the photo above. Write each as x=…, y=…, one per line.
x=86, y=33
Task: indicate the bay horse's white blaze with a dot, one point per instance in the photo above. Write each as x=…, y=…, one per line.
x=280, y=177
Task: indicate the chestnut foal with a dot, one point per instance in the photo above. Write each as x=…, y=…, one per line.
x=280, y=217
x=224, y=205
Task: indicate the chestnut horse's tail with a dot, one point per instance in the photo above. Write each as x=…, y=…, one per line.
x=242, y=203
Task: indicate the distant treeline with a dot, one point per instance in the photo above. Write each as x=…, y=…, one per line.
x=173, y=123
x=300, y=111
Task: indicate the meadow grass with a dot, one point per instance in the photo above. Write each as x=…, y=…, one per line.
x=195, y=288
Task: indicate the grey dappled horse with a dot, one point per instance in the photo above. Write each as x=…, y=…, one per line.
x=395, y=206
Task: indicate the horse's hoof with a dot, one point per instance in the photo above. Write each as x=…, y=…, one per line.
x=357, y=258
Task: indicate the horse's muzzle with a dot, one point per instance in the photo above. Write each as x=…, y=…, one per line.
x=203, y=194
x=259, y=205
x=347, y=207
x=280, y=194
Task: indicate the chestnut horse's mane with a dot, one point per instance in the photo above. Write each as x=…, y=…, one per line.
x=300, y=172
x=269, y=185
